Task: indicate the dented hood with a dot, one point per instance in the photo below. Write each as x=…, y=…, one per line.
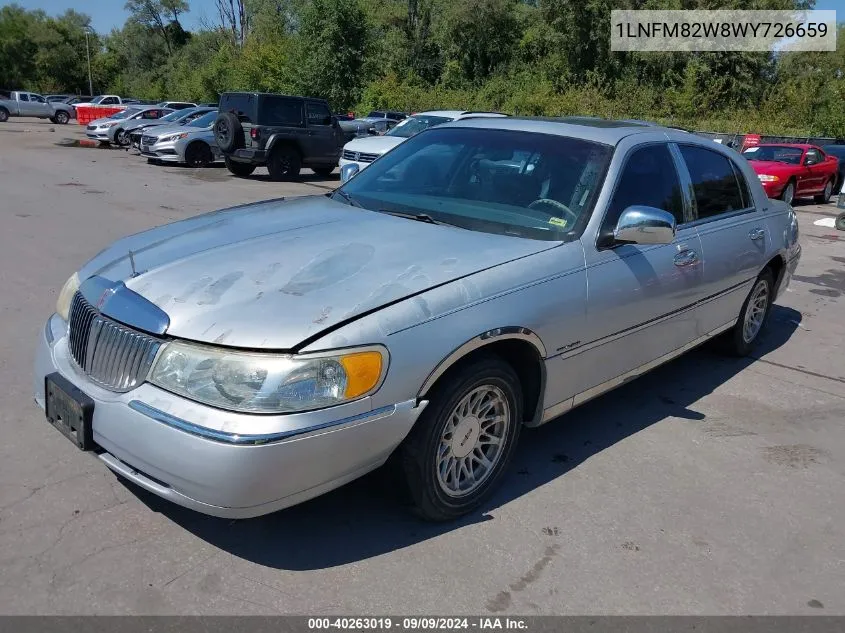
x=273, y=274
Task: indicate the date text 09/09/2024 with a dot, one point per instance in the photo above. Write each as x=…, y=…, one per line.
x=417, y=623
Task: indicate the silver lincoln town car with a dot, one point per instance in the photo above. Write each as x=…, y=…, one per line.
x=485, y=275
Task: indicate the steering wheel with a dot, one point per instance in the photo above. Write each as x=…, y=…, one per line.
x=559, y=206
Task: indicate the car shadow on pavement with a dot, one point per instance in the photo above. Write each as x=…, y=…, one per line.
x=368, y=517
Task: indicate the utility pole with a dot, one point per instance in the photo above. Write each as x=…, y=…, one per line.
x=88, y=55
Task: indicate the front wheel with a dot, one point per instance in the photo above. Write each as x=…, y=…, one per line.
x=752, y=316
x=458, y=450
x=4, y=115
x=840, y=221
x=788, y=193
x=824, y=197
x=122, y=138
x=198, y=154
x=61, y=117
x=241, y=170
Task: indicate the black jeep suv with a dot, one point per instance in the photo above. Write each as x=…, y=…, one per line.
x=284, y=133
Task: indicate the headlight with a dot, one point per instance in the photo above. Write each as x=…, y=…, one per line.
x=267, y=383
x=767, y=178
x=172, y=137
x=108, y=125
x=65, y=295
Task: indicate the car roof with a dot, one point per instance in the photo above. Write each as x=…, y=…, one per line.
x=606, y=131
x=457, y=114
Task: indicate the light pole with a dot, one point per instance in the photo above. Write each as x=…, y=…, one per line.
x=88, y=55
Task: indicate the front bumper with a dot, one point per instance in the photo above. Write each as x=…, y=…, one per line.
x=167, y=445
x=773, y=189
x=171, y=151
x=98, y=135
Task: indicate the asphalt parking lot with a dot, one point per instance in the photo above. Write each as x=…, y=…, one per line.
x=711, y=486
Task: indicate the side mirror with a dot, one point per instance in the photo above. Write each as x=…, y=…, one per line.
x=348, y=171
x=810, y=161
x=640, y=224
x=330, y=120
x=372, y=131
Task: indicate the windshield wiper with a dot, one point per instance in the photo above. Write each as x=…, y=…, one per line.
x=419, y=217
x=349, y=199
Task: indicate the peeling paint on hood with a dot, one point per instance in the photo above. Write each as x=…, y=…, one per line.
x=273, y=274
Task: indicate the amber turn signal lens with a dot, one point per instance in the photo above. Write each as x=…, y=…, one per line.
x=363, y=371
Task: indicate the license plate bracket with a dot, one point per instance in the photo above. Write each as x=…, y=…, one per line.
x=69, y=410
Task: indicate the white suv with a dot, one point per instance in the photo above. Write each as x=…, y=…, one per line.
x=363, y=151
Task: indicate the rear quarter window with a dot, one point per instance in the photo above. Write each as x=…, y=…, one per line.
x=275, y=110
x=243, y=105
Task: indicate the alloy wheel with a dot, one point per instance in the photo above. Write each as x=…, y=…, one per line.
x=755, y=311
x=473, y=440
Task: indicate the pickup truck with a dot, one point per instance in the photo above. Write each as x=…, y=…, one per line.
x=17, y=103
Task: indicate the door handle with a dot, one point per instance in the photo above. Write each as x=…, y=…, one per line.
x=757, y=234
x=686, y=258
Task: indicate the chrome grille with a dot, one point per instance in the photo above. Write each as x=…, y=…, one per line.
x=148, y=140
x=112, y=355
x=91, y=127
x=359, y=156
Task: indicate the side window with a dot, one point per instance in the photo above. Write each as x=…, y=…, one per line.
x=273, y=110
x=22, y=96
x=151, y=114
x=649, y=178
x=744, y=190
x=37, y=98
x=108, y=101
x=318, y=114
x=714, y=182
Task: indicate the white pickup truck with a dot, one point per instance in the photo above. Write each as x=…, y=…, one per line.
x=17, y=103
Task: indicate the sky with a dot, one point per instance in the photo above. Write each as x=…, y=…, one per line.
x=107, y=14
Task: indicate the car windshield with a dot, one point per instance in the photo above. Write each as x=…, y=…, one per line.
x=125, y=114
x=525, y=184
x=777, y=153
x=205, y=120
x=173, y=116
x=416, y=124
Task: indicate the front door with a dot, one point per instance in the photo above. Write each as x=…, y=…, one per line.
x=732, y=232
x=640, y=304
x=321, y=134
x=39, y=106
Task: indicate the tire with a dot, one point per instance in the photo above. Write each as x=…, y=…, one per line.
x=239, y=169
x=788, y=193
x=824, y=197
x=198, y=154
x=284, y=163
x=121, y=137
x=837, y=188
x=840, y=221
x=228, y=132
x=325, y=172
x=741, y=340
x=4, y=115
x=61, y=117
x=429, y=455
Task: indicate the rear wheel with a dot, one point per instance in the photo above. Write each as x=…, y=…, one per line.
x=788, y=193
x=239, y=169
x=458, y=450
x=752, y=316
x=284, y=163
x=824, y=196
x=198, y=154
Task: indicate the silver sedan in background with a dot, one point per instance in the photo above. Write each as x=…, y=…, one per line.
x=114, y=129
x=192, y=143
x=177, y=117
x=484, y=276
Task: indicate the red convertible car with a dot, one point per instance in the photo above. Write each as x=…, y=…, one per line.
x=788, y=170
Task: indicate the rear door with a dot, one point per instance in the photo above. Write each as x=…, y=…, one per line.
x=25, y=108
x=324, y=148
x=732, y=232
x=641, y=299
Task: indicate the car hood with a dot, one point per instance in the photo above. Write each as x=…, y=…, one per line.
x=771, y=167
x=273, y=274
x=164, y=130
x=101, y=121
x=374, y=144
